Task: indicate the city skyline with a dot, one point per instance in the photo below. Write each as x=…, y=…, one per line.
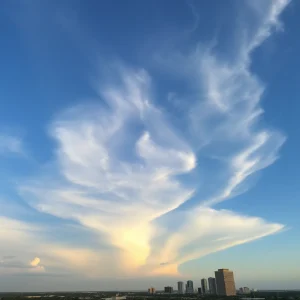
x=148, y=142
x=222, y=284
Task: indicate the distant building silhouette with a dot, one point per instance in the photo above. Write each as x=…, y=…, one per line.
x=180, y=287
x=189, y=287
x=199, y=291
x=212, y=285
x=151, y=290
x=244, y=290
x=168, y=289
x=204, y=286
x=225, y=282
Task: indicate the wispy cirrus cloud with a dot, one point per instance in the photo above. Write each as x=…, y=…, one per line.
x=11, y=144
x=126, y=170
x=264, y=19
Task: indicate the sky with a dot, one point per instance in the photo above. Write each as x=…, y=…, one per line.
x=146, y=142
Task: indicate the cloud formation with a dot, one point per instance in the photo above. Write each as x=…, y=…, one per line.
x=147, y=183
x=18, y=238
x=35, y=262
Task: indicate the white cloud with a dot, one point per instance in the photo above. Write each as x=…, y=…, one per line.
x=267, y=20
x=122, y=166
x=35, y=262
x=202, y=231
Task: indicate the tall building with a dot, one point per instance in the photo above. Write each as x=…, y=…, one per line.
x=204, y=286
x=225, y=282
x=189, y=287
x=212, y=285
x=199, y=291
x=168, y=289
x=151, y=290
x=180, y=287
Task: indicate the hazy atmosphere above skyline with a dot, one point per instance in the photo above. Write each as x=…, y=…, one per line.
x=143, y=142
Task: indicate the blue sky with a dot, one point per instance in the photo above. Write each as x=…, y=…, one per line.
x=142, y=142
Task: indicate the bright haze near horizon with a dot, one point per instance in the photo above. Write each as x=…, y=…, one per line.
x=146, y=142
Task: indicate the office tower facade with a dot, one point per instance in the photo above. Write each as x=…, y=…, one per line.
x=199, y=291
x=168, y=289
x=225, y=282
x=189, y=287
x=180, y=287
x=151, y=290
x=204, y=286
x=212, y=285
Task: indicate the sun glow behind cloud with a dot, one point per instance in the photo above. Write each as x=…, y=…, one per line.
x=121, y=167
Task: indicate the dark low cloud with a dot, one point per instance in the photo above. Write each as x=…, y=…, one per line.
x=14, y=264
x=42, y=274
x=6, y=257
